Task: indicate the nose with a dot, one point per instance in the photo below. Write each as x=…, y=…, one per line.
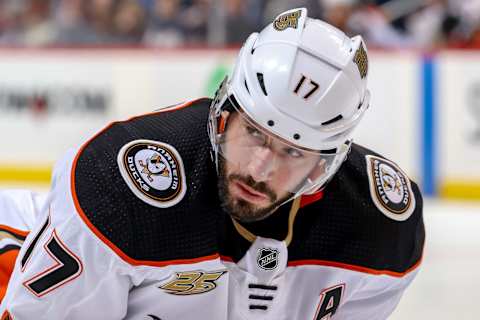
x=261, y=165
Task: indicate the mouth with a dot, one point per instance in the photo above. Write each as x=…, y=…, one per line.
x=249, y=194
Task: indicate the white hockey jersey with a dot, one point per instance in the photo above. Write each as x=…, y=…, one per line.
x=132, y=229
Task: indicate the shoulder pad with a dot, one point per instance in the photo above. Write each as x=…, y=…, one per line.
x=370, y=216
x=132, y=181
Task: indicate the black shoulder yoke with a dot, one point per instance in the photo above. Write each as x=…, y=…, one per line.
x=347, y=227
x=139, y=230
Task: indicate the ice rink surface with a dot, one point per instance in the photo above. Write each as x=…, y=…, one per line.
x=448, y=285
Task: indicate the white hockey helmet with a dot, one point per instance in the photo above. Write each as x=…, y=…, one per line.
x=304, y=82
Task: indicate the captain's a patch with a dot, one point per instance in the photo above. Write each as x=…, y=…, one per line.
x=390, y=188
x=154, y=172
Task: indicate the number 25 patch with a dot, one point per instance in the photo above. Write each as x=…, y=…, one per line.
x=192, y=282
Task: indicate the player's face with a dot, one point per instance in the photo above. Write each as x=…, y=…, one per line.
x=258, y=172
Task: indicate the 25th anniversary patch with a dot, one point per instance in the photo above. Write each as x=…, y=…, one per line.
x=390, y=188
x=153, y=171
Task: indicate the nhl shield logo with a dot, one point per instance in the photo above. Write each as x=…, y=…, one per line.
x=153, y=171
x=267, y=258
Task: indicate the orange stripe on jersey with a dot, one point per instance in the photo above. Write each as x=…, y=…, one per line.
x=8, y=254
x=226, y=258
x=353, y=267
x=112, y=246
x=7, y=262
x=19, y=234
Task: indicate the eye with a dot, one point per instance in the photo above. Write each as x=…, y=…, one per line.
x=293, y=153
x=254, y=132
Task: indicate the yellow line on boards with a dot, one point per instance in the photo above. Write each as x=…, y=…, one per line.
x=25, y=174
x=463, y=190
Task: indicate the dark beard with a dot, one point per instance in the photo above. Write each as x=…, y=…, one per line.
x=240, y=209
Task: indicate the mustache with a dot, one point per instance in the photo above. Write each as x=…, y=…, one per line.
x=257, y=186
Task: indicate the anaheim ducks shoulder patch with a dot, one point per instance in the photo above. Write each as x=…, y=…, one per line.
x=154, y=172
x=390, y=188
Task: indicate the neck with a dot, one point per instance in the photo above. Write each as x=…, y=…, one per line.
x=278, y=226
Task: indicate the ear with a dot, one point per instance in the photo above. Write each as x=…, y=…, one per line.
x=318, y=170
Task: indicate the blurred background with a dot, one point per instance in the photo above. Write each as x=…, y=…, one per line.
x=69, y=67
x=420, y=24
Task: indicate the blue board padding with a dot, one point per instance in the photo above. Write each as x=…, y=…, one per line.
x=428, y=146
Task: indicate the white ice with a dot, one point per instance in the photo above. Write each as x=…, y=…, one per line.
x=448, y=285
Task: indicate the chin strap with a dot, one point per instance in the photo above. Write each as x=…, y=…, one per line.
x=291, y=219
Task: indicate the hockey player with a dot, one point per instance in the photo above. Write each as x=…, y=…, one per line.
x=254, y=205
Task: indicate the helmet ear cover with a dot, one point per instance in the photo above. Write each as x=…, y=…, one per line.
x=222, y=122
x=227, y=110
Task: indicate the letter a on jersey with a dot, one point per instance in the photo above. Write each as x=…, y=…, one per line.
x=329, y=301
